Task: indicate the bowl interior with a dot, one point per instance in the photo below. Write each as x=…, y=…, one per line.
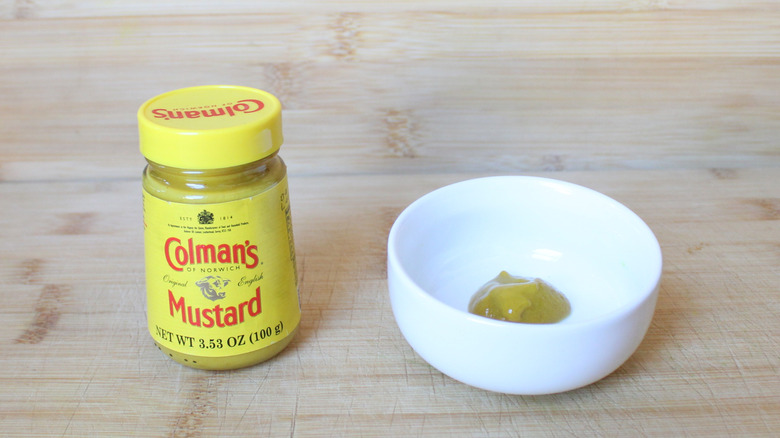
x=591, y=248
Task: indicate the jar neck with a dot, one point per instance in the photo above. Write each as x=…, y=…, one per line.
x=213, y=185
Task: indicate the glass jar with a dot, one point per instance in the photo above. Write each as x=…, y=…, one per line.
x=221, y=275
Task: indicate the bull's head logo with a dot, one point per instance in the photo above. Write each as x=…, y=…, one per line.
x=212, y=287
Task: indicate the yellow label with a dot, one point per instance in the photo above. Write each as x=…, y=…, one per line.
x=221, y=278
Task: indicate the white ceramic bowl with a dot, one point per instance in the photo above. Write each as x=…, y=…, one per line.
x=594, y=250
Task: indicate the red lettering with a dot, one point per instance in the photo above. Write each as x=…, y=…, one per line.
x=251, y=251
x=216, y=316
x=241, y=311
x=176, y=305
x=177, y=255
x=258, y=105
x=230, y=316
x=223, y=256
x=254, y=304
x=205, y=254
x=196, y=320
x=213, y=112
x=239, y=253
x=180, y=254
x=168, y=253
x=192, y=251
x=160, y=113
x=242, y=106
x=209, y=321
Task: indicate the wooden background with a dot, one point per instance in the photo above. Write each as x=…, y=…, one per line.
x=671, y=107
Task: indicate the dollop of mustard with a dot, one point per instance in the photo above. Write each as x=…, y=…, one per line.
x=519, y=299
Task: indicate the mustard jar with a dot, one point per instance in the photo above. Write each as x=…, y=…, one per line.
x=221, y=280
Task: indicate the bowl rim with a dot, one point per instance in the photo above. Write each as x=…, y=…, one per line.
x=612, y=315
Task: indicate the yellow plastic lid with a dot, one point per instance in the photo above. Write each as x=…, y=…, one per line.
x=210, y=127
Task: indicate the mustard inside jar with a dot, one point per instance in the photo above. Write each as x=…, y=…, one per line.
x=221, y=278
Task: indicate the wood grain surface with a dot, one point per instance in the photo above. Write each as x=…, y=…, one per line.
x=670, y=107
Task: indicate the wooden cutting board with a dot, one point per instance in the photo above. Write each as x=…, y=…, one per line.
x=669, y=107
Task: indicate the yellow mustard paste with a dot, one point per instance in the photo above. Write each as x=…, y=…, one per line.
x=519, y=299
x=221, y=277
